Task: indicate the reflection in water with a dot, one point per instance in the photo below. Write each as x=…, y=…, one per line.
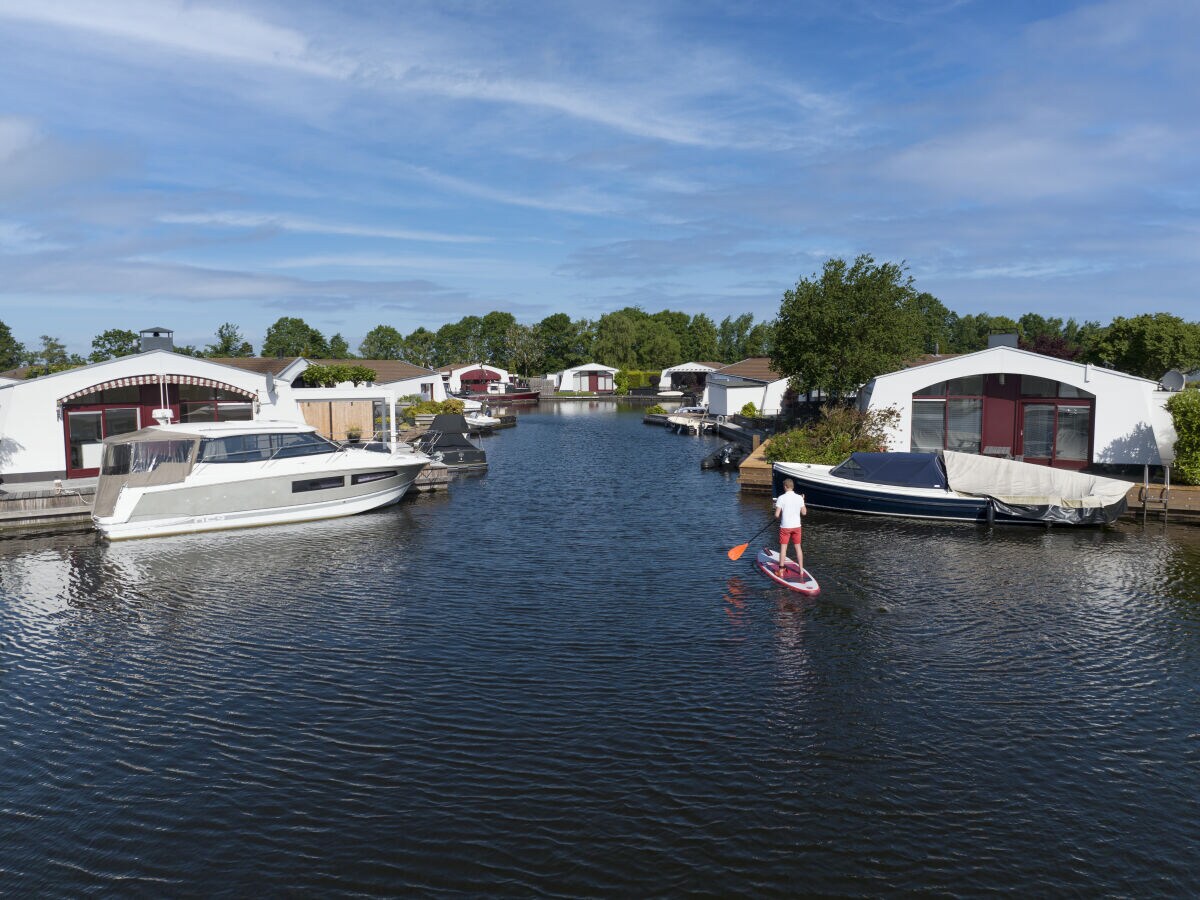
x=552, y=679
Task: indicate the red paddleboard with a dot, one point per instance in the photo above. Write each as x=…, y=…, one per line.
x=792, y=577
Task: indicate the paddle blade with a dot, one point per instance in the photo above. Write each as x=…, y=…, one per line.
x=736, y=552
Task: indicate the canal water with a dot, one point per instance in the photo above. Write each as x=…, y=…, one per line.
x=552, y=681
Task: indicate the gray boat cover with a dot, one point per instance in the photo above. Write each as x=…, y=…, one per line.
x=1023, y=484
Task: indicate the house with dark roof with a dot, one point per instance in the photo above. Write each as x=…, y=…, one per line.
x=751, y=380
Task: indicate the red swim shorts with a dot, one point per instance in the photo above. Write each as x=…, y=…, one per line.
x=789, y=536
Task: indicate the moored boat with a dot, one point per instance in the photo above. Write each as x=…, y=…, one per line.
x=175, y=479
x=957, y=486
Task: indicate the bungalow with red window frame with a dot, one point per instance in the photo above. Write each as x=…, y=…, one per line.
x=1012, y=403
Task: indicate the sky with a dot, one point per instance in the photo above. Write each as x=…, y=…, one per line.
x=185, y=164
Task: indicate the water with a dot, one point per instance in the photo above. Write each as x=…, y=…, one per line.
x=552, y=681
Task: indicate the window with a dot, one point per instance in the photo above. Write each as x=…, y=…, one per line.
x=934, y=390
x=318, y=484
x=1033, y=386
x=928, y=425
x=964, y=425
x=366, y=477
x=258, y=447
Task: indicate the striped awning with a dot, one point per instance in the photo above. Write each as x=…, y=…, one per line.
x=135, y=380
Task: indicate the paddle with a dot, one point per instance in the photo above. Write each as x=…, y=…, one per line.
x=736, y=552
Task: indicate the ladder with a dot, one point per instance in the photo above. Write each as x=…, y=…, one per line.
x=1146, y=493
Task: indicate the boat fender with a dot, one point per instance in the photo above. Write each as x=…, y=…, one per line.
x=991, y=512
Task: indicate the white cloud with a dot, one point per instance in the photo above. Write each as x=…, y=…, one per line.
x=311, y=226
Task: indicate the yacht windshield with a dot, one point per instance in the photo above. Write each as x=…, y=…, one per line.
x=258, y=447
x=144, y=456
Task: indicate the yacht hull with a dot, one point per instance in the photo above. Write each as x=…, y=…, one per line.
x=171, y=510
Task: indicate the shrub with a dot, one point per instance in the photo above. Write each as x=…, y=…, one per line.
x=656, y=410
x=750, y=411
x=427, y=407
x=839, y=432
x=332, y=376
x=1185, y=411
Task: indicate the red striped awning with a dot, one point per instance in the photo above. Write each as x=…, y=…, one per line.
x=135, y=380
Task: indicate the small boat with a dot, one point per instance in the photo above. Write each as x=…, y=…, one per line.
x=792, y=577
x=446, y=441
x=480, y=420
x=501, y=392
x=176, y=479
x=962, y=487
x=727, y=456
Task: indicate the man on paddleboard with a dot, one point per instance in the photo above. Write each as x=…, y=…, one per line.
x=789, y=507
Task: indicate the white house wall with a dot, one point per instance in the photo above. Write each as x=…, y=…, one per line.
x=31, y=432
x=455, y=381
x=1129, y=415
x=728, y=400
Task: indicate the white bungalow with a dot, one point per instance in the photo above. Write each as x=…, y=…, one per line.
x=590, y=378
x=1008, y=402
x=473, y=377
x=52, y=426
x=686, y=376
x=752, y=380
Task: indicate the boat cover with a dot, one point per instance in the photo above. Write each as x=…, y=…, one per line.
x=451, y=429
x=1024, y=484
x=922, y=470
x=150, y=456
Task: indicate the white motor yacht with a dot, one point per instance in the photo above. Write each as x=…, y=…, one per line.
x=175, y=479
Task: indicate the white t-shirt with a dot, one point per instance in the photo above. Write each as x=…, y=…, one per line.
x=792, y=505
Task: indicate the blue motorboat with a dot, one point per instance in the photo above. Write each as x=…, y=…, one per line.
x=958, y=487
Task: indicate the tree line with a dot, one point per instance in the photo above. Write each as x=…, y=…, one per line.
x=835, y=331
x=629, y=338
x=839, y=328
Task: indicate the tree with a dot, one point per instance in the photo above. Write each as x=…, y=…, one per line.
x=493, y=333
x=53, y=355
x=113, y=343
x=937, y=323
x=382, y=342
x=657, y=345
x=338, y=348
x=679, y=325
x=702, y=339
x=294, y=337
x=460, y=341
x=837, y=331
x=523, y=348
x=970, y=333
x=1148, y=345
x=731, y=337
x=560, y=338
x=418, y=348
x=230, y=343
x=617, y=340
x=760, y=340
x=12, y=351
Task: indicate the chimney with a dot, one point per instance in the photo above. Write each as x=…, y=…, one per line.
x=157, y=339
x=1002, y=340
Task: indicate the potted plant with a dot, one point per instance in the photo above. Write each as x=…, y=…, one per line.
x=353, y=434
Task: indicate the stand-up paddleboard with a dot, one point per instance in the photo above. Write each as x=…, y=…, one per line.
x=792, y=577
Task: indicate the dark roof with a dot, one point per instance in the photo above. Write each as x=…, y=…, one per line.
x=930, y=358
x=386, y=370
x=756, y=368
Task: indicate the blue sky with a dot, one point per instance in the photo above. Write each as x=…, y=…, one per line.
x=409, y=163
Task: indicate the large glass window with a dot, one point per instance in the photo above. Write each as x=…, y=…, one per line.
x=964, y=425
x=258, y=447
x=1039, y=430
x=86, y=431
x=1074, y=427
x=120, y=421
x=928, y=425
x=971, y=386
x=933, y=390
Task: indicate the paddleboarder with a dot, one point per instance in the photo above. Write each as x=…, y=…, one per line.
x=789, y=507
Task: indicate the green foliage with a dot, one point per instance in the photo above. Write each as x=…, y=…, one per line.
x=52, y=356
x=419, y=348
x=290, y=336
x=432, y=407
x=1148, y=345
x=338, y=348
x=1185, y=411
x=523, y=348
x=332, y=376
x=409, y=399
x=750, y=411
x=36, y=371
x=12, y=351
x=657, y=410
x=565, y=343
x=113, y=343
x=230, y=343
x=702, y=340
x=382, y=342
x=837, y=331
x=839, y=432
